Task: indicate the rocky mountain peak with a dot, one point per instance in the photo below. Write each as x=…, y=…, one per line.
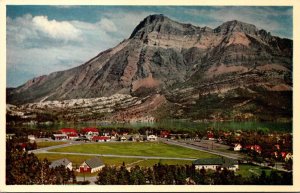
x=163, y=25
x=149, y=22
x=236, y=26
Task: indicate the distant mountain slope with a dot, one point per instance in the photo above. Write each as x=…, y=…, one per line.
x=236, y=64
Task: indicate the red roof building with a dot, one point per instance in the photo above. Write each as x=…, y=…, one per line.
x=164, y=134
x=255, y=148
x=283, y=154
x=92, y=165
x=210, y=135
x=68, y=131
x=90, y=130
x=72, y=136
x=100, y=138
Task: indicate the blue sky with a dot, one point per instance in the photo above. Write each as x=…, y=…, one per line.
x=45, y=39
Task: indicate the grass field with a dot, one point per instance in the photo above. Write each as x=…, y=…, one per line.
x=152, y=162
x=137, y=149
x=246, y=170
x=49, y=143
x=77, y=160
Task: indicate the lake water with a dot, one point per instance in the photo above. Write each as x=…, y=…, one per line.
x=173, y=124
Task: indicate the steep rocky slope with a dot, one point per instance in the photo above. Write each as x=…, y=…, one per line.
x=234, y=65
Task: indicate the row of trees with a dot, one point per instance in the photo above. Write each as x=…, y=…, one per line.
x=179, y=175
x=25, y=168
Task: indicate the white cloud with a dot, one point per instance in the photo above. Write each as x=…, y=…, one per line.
x=38, y=46
x=56, y=29
x=126, y=21
x=107, y=25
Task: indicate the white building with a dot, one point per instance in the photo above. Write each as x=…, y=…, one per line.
x=31, y=137
x=60, y=137
x=237, y=147
x=152, y=138
x=215, y=163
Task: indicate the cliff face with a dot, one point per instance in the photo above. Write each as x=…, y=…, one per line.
x=185, y=64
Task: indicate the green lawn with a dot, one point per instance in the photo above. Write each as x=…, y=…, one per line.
x=49, y=143
x=246, y=170
x=77, y=160
x=152, y=162
x=137, y=149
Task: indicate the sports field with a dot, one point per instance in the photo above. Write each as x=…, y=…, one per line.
x=136, y=149
x=78, y=160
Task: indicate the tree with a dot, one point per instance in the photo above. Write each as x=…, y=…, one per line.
x=25, y=168
x=107, y=176
x=180, y=175
x=137, y=177
x=123, y=175
x=263, y=180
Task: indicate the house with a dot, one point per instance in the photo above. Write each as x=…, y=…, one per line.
x=123, y=138
x=151, y=138
x=237, y=147
x=71, y=133
x=62, y=162
x=113, y=135
x=100, y=138
x=215, y=163
x=136, y=137
x=107, y=134
x=31, y=137
x=72, y=136
x=286, y=156
x=210, y=135
x=91, y=165
x=275, y=153
x=59, y=137
x=10, y=136
x=82, y=138
x=255, y=148
x=220, y=140
x=277, y=146
x=68, y=131
x=164, y=134
x=23, y=146
x=238, y=133
x=90, y=131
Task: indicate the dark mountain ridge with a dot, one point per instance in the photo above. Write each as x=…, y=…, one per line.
x=182, y=63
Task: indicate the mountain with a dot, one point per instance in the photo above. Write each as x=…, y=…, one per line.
x=234, y=71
